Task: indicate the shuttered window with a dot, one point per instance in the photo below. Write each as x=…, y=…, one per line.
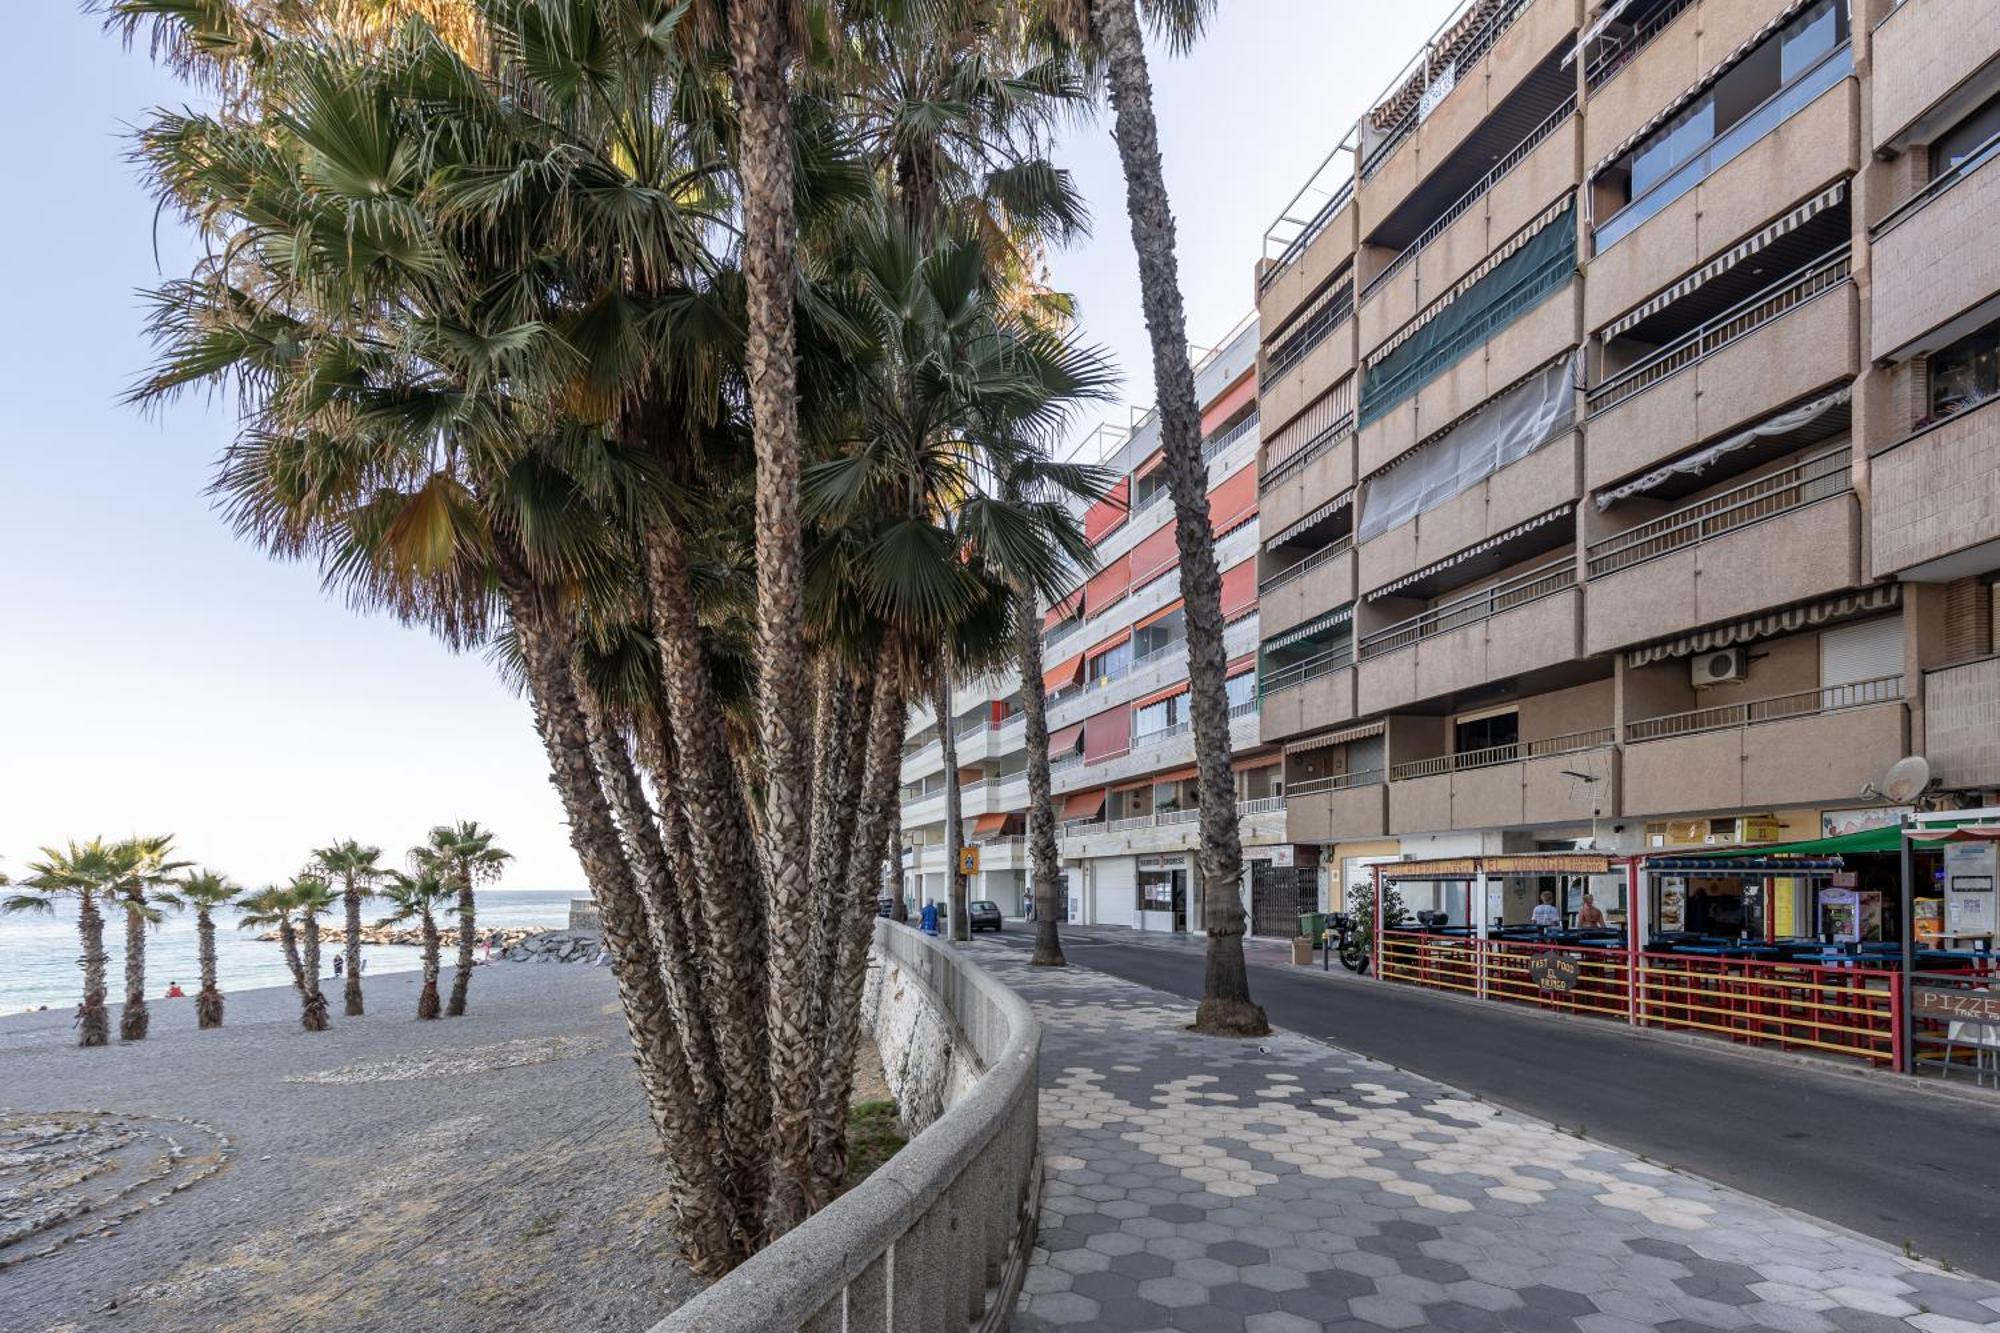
x=1870, y=650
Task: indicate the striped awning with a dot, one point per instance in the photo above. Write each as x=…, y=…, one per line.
x=1294, y=528
x=1460, y=557
x=1466, y=283
x=1728, y=259
x=1827, y=610
x=1340, y=737
x=1700, y=85
x=1595, y=30
x=1340, y=615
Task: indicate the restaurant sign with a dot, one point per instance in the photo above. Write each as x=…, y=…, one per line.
x=1556, y=972
x=1963, y=1006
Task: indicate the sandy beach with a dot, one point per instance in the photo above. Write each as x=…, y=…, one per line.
x=490, y=1171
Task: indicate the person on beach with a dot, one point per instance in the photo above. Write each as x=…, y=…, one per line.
x=339, y=962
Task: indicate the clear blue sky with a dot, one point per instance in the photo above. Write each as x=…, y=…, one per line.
x=158, y=675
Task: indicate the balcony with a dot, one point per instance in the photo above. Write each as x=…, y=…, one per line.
x=1788, y=536
x=1306, y=696
x=1771, y=349
x=1170, y=747
x=1308, y=357
x=1305, y=481
x=1962, y=724
x=985, y=739
x=1934, y=499
x=1167, y=830
x=1518, y=625
x=1795, y=144
x=1796, y=749
x=1934, y=257
x=1923, y=51
x=1148, y=672
x=1309, y=241
x=1335, y=809
x=1549, y=781
x=1318, y=583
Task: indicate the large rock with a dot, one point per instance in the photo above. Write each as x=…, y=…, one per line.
x=560, y=946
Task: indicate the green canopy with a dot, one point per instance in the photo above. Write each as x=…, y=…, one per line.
x=1888, y=839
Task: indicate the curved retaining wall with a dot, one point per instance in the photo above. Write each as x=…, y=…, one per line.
x=935, y=1240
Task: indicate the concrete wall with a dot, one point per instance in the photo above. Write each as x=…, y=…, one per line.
x=1924, y=49
x=1318, y=590
x=1311, y=706
x=1798, y=761
x=1937, y=493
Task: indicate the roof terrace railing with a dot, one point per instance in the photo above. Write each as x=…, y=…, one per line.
x=1820, y=477
x=1466, y=52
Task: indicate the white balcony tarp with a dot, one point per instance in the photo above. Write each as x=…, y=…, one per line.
x=1511, y=427
x=1701, y=460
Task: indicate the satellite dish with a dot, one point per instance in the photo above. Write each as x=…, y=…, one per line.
x=1907, y=779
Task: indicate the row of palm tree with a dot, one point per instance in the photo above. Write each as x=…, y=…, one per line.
x=691, y=357
x=138, y=875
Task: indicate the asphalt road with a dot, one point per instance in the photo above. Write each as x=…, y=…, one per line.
x=1888, y=1160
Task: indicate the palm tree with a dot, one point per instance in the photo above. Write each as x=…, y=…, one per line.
x=83, y=871
x=139, y=866
x=417, y=898
x=355, y=867
x=311, y=897
x=206, y=890
x=271, y=908
x=464, y=857
x=1116, y=37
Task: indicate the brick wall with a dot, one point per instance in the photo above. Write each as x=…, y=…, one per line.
x=1962, y=724
x=1938, y=493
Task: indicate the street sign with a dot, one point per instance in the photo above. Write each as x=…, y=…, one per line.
x=968, y=860
x=1554, y=971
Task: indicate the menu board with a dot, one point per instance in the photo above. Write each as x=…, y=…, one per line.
x=1968, y=888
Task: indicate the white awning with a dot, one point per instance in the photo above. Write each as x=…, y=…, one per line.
x=1459, y=288
x=1340, y=615
x=1329, y=738
x=1698, y=462
x=1700, y=85
x=1460, y=557
x=1728, y=259
x=1790, y=620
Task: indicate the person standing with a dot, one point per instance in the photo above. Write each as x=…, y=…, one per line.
x=1546, y=915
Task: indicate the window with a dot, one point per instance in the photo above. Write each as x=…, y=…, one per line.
x=1966, y=373
x=1158, y=717
x=1112, y=662
x=1486, y=733
x=1242, y=689
x=1962, y=142
x=1162, y=884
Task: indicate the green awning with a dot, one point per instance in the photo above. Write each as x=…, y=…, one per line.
x=1888, y=839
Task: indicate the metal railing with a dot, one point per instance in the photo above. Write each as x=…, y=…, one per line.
x=1306, y=566
x=1937, y=186
x=1741, y=320
x=1558, y=575
x=1801, y=703
x=1262, y=805
x=1821, y=477
x=1468, y=54
x=1296, y=460
x=948, y=1223
x=1061, y=630
x=1511, y=159
x=1298, y=673
x=1215, y=444
x=1493, y=756
x=1360, y=777
x=1613, y=57
x=1294, y=346
x=1309, y=232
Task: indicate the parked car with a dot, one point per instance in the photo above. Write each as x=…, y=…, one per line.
x=983, y=915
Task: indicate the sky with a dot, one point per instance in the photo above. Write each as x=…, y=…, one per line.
x=158, y=675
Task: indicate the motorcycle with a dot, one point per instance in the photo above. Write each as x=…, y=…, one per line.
x=1346, y=939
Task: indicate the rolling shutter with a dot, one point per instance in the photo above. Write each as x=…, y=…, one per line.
x=1156, y=553
x=1870, y=650
x=1107, y=585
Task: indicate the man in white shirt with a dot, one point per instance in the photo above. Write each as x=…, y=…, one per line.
x=1546, y=916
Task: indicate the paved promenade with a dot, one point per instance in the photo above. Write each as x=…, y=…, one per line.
x=1285, y=1186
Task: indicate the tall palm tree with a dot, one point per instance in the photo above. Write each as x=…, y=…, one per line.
x=204, y=891
x=417, y=898
x=356, y=867
x=271, y=908
x=139, y=866
x=83, y=872
x=311, y=897
x=465, y=857
x=1116, y=37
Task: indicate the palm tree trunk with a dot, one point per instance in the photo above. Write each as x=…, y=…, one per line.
x=710, y=1219
x=134, y=1019
x=93, y=1021
x=352, y=899
x=428, y=1003
x=288, y=940
x=1043, y=858
x=758, y=39
x=208, y=1002
x=899, y=901
x=842, y=753
x=313, y=1015
x=954, y=830
x=879, y=780
x=461, y=977
x=1226, y=1006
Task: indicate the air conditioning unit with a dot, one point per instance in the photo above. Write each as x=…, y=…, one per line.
x=1720, y=667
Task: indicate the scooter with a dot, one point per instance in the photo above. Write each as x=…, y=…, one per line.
x=1347, y=941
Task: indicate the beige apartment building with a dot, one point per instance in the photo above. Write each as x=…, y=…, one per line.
x=1629, y=389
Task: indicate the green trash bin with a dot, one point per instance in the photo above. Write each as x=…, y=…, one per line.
x=1312, y=925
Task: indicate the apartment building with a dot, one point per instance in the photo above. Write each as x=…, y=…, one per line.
x=1116, y=684
x=1630, y=409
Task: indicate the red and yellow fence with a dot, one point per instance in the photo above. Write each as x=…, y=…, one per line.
x=1846, y=1011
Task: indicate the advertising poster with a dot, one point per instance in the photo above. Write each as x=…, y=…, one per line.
x=1673, y=903
x=1968, y=888
x=1840, y=915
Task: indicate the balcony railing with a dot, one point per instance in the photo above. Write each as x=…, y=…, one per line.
x=1937, y=186
x=1803, y=703
x=1511, y=159
x=1494, y=755
x=1293, y=573
x=1739, y=321
x=1262, y=805
x=1466, y=55
x=1298, y=673
x=1061, y=630
x=1215, y=444
x=1613, y=56
x=1547, y=580
x=1293, y=348
x=1362, y=777
x=1821, y=477
x=1292, y=463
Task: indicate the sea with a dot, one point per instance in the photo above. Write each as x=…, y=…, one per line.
x=40, y=954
